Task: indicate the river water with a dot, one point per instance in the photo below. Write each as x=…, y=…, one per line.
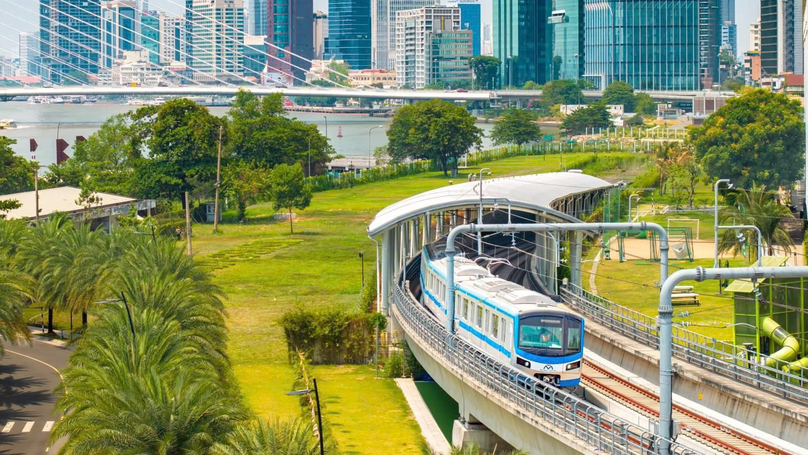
x=47, y=122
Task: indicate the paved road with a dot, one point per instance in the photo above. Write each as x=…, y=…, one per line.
x=28, y=378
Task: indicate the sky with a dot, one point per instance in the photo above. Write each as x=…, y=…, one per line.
x=23, y=15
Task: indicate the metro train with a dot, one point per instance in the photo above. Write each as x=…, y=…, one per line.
x=517, y=326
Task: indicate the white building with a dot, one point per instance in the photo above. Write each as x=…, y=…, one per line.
x=217, y=44
x=383, y=29
x=488, y=43
x=320, y=34
x=415, y=30
x=134, y=69
x=754, y=36
x=29, y=54
x=7, y=67
x=171, y=38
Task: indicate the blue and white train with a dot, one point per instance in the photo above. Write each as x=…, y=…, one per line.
x=515, y=325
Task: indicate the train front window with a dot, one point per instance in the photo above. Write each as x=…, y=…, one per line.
x=543, y=335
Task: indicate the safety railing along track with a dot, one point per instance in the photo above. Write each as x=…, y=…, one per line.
x=717, y=356
x=566, y=412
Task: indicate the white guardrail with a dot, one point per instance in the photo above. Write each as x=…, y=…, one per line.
x=714, y=355
x=587, y=423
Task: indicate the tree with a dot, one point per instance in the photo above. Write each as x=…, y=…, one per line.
x=289, y=189
x=754, y=138
x=635, y=120
x=245, y=182
x=644, y=104
x=757, y=207
x=486, y=70
x=562, y=91
x=260, y=133
x=686, y=172
x=14, y=292
x=619, y=92
x=594, y=116
x=435, y=129
x=517, y=126
x=557, y=61
x=16, y=173
x=260, y=437
x=339, y=73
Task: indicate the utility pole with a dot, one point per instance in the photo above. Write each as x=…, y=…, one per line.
x=218, y=183
x=36, y=193
x=188, y=223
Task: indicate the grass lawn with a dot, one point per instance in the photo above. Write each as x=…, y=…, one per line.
x=631, y=284
x=265, y=271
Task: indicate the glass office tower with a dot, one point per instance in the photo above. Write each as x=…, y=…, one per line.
x=349, y=32
x=470, y=19
x=650, y=45
x=566, y=23
x=522, y=41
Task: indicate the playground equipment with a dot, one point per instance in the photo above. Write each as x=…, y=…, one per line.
x=789, y=347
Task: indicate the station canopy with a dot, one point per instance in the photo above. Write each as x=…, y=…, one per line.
x=535, y=192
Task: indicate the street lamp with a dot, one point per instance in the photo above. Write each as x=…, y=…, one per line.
x=629, y=205
x=309, y=139
x=741, y=238
x=480, y=213
x=362, y=257
x=715, y=224
x=370, y=158
x=319, y=415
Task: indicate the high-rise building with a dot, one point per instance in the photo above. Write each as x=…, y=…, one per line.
x=566, y=23
x=349, y=32
x=729, y=37
x=471, y=19
x=754, y=36
x=172, y=31
x=626, y=40
x=188, y=35
x=150, y=35
x=431, y=47
x=29, y=54
x=383, y=29
x=781, y=46
x=320, y=34
x=488, y=44
x=118, y=30
x=70, y=38
x=258, y=18
x=255, y=50
x=522, y=41
x=291, y=37
x=218, y=45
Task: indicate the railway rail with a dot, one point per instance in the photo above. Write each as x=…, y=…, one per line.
x=701, y=428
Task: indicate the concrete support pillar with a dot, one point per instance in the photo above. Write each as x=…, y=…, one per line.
x=454, y=219
x=413, y=235
x=439, y=230
x=396, y=232
x=388, y=260
x=465, y=433
x=427, y=227
x=575, y=258
x=402, y=249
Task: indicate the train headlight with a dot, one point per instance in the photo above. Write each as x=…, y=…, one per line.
x=573, y=365
x=523, y=362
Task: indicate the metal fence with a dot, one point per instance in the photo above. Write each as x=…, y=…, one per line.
x=566, y=412
x=714, y=355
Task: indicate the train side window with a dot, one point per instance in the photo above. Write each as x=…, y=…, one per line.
x=573, y=335
x=495, y=326
x=479, y=316
x=466, y=309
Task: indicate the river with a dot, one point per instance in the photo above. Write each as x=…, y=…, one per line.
x=47, y=122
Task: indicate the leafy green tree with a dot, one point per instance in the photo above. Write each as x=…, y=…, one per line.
x=339, y=72
x=757, y=207
x=261, y=437
x=644, y=104
x=182, y=139
x=594, y=116
x=562, y=91
x=289, y=189
x=16, y=173
x=486, y=70
x=245, y=182
x=436, y=130
x=517, y=126
x=754, y=138
x=557, y=62
x=619, y=92
x=260, y=133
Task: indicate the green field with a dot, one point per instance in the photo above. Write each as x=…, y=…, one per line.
x=265, y=272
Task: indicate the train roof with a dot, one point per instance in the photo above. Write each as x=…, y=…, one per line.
x=481, y=283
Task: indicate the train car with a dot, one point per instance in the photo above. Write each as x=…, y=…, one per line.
x=515, y=325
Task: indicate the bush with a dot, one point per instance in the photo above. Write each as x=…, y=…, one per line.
x=330, y=335
x=394, y=368
x=368, y=296
x=413, y=367
x=649, y=178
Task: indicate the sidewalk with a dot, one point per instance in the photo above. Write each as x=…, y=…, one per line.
x=429, y=428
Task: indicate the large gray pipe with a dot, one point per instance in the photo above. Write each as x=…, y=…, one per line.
x=665, y=335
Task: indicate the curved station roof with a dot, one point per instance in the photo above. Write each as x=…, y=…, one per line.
x=536, y=192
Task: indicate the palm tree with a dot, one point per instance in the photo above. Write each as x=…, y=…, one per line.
x=260, y=437
x=14, y=292
x=757, y=207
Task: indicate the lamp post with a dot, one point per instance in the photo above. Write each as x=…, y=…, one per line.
x=309, y=140
x=326, y=131
x=362, y=257
x=715, y=224
x=577, y=75
x=370, y=149
x=319, y=415
x=480, y=212
x=629, y=205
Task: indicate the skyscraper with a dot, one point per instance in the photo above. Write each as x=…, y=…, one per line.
x=290, y=27
x=470, y=19
x=29, y=54
x=663, y=47
x=150, y=35
x=754, y=36
x=349, y=32
x=522, y=41
x=258, y=17
x=566, y=23
x=781, y=47
x=218, y=46
x=119, y=19
x=383, y=29
x=729, y=31
x=172, y=31
x=70, y=38
x=488, y=44
x=320, y=34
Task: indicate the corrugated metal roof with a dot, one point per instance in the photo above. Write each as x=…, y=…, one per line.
x=536, y=192
x=52, y=200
